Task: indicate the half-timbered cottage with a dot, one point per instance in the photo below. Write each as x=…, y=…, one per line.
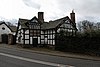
x=38, y=32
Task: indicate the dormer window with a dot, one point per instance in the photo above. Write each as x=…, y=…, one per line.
x=34, y=21
x=67, y=22
x=3, y=28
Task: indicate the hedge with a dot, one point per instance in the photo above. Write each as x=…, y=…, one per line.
x=78, y=44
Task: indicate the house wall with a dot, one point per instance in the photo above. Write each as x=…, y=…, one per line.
x=67, y=28
x=5, y=31
x=48, y=37
x=28, y=38
x=19, y=38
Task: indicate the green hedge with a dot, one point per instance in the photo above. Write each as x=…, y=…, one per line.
x=78, y=44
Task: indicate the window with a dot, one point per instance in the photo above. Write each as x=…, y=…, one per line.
x=34, y=21
x=3, y=28
x=67, y=21
x=34, y=32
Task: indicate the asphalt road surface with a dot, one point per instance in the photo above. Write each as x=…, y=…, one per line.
x=11, y=57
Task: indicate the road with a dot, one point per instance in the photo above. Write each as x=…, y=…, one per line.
x=21, y=58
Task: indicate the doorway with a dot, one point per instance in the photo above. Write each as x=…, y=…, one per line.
x=35, y=42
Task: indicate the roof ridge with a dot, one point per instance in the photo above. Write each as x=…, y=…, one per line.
x=61, y=18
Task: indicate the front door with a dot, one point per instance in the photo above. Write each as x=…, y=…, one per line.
x=35, y=42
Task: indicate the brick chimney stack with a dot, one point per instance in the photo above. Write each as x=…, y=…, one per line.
x=41, y=16
x=72, y=16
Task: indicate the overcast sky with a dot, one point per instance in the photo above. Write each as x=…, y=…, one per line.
x=53, y=9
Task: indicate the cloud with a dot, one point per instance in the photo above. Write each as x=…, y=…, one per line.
x=90, y=6
x=88, y=9
x=13, y=21
x=53, y=9
x=32, y=4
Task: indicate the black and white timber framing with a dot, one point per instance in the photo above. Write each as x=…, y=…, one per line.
x=35, y=33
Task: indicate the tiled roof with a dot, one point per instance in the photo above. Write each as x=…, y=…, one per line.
x=1, y=22
x=52, y=24
x=13, y=28
x=48, y=25
x=55, y=23
x=22, y=22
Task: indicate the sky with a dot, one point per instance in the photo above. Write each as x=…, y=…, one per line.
x=12, y=10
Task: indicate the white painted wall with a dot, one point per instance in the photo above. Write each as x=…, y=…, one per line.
x=6, y=31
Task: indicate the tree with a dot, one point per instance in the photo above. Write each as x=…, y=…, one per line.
x=86, y=27
x=9, y=24
x=98, y=25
